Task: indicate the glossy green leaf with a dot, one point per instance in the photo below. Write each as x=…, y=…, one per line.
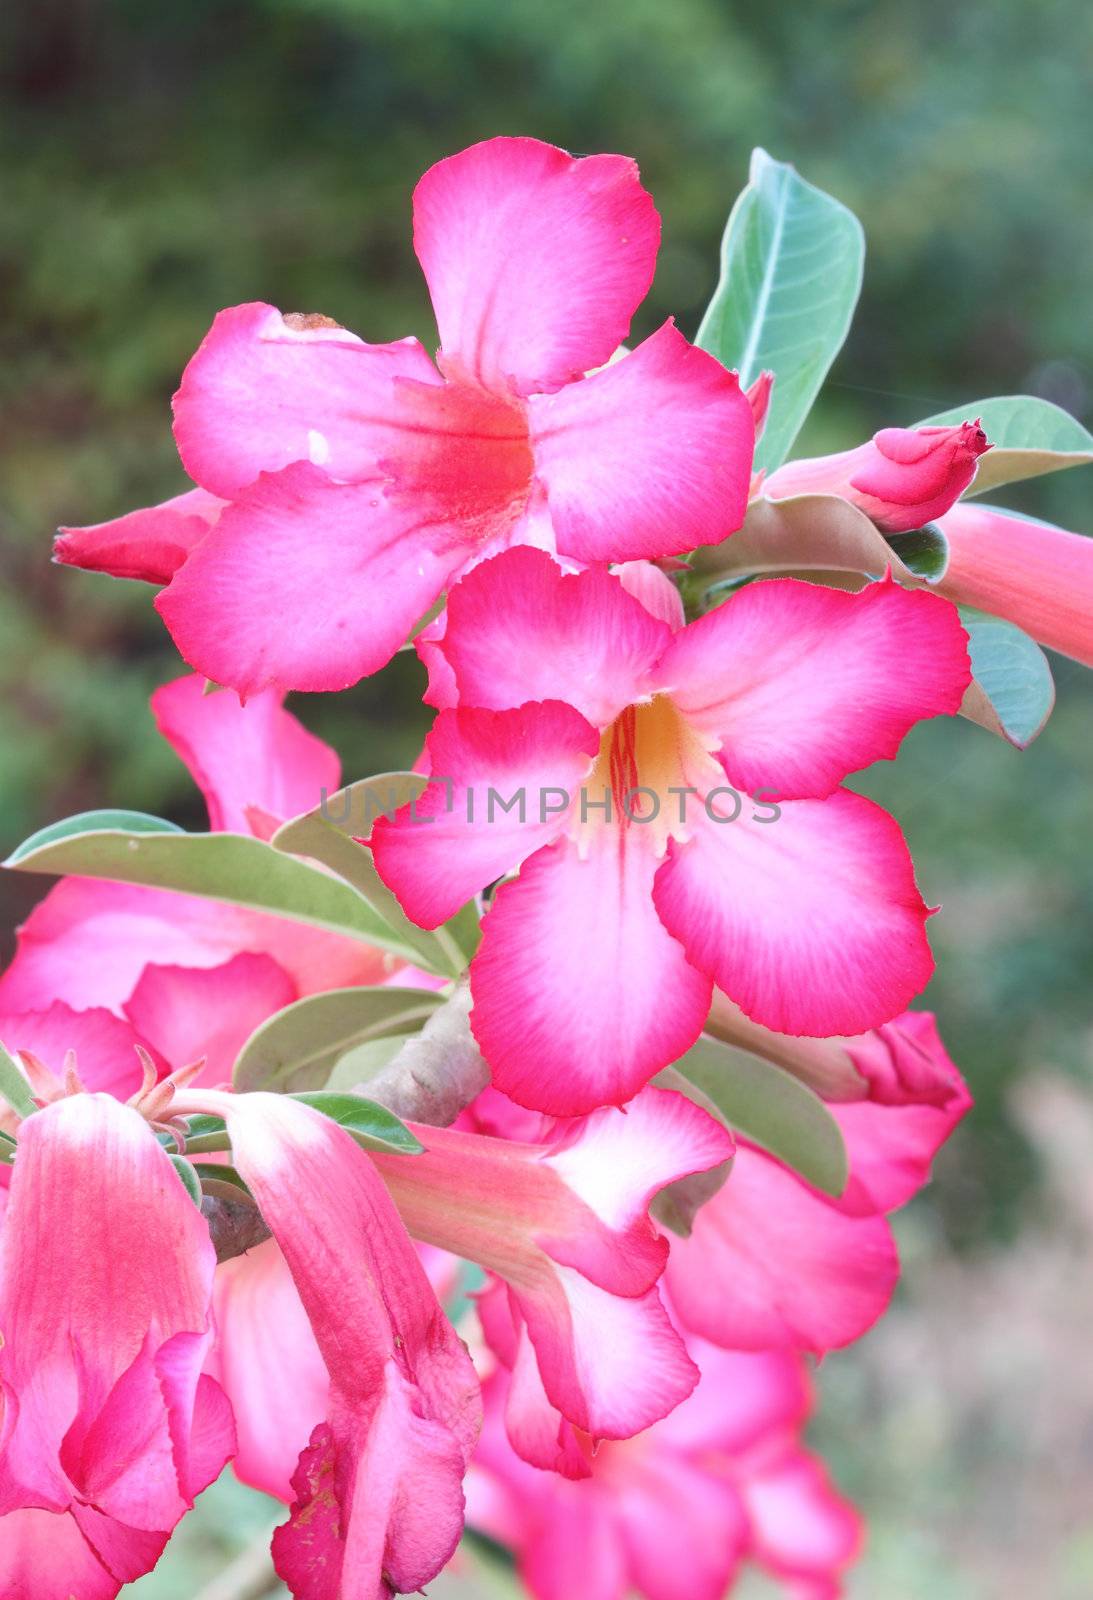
x=329, y=834
x=14, y=1087
x=373, y=1126
x=1014, y=692
x=206, y=1134
x=215, y=1172
x=1029, y=437
x=215, y=866
x=924, y=551
x=791, y=272
x=190, y=1180
x=772, y=1109
x=299, y=1046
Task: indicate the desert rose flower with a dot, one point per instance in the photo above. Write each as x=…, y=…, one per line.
x=674, y=1513
x=359, y=479
x=1032, y=574
x=902, y=478
x=646, y=875
x=109, y=1429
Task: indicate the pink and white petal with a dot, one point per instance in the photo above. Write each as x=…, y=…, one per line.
x=685, y=1529
x=262, y=392
x=244, y=757
x=187, y=1013
x=461, y=833
x=811, y=922
x=612, y=1365
x=743, y=1397
x=87, y=942
x=150, y=544
x=535, y=261
x=521, y=629
x=771, y=1265
x=802, y=684
x=891, y=1149
x=105, y=1046
x=649, y=457
x=44, y=1556
x=801, y=1526
x=305, y=583
x=536, y=1430
x=269, y=1365
x=580, y=993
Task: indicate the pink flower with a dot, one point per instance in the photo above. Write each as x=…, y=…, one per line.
x=645, y=876
x=359, y=479
x=561, y=1216
x=673, y=1513
x=89, y=942
x=379, y=1502
x=772, y=1263
x=108, y=1429
x=1032, y=574
x=902, y=478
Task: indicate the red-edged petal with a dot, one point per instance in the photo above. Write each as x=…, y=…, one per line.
x=892, y=1147
x=188, y=1013
x=535, y=261
x=519, y=628
x=243, y=757
x=261, y=393
x=811, y=922
x=308, y=584
x=150, y=544
x=580, y=993
x=650, y=457
x=771, y=1265
x=461, y=833
x=801, y=684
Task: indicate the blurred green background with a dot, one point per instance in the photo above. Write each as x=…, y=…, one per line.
x=163, y=161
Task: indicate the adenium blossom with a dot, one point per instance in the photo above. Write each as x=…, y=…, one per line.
x=561, y=1219
x=901, y=478
x=1032, y=574
x=645, y=875
x=771, y=1263
x=674, y=1513
x=108, y=1427
x=379, y=1501
x=357, y=480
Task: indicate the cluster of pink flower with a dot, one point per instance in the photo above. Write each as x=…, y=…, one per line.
x=644, y=1391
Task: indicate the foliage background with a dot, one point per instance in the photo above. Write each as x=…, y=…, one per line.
x=162, y=161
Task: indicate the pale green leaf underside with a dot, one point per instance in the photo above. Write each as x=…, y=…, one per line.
x=298, y=1047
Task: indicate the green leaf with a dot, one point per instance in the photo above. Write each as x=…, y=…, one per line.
x=359, y=1065
x=924, y=551
x=206, y=1134
x=373, y=1126
x=8, y=1147
x=299, y=1046
x=329, y=834
x=90, y=822
x=772, y=1109
x=213, y=1172
x=791, y=272
x=215, y=866
x=1030, y=437
x=1013, y=692
x=190, y=1180
x=14, y=1087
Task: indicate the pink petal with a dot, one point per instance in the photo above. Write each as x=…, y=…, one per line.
x=459, y=836
x=241, y=757
x=811, y=922
x=656, y=591
x=891, y=1148
x=44, y=1556
x=536, y=1430
x=771, y=1265
x=650, y=457
x=270, y=1367
x=802, y=684
x=88, y=941
x=801, y=1526
x=519, y=629
x=685, y=1529
x=308, y=584
x=904, y=1062
x=150, y=544
x=580, y=993
x=577, y=1549
x=261, y=393
x=192, y=1012
x=742, y=1398
x=535, y=261
x=105, y=1046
